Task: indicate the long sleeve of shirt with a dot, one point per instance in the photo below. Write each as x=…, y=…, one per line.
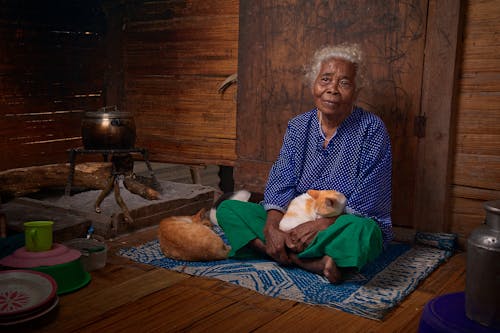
x=357, y=162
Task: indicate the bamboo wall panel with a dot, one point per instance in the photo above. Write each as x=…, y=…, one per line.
x=51, y=71
x=468, y=210
x=476, y=163
x=176, y=55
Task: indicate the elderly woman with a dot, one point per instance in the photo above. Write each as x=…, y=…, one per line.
x=336, y=145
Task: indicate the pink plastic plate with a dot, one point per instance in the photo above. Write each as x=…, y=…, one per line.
x=22, y=318
x=21, y=258
x=22, y=291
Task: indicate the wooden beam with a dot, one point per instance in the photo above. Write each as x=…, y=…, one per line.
x=440, y=75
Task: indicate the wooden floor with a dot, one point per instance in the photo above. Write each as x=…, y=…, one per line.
x=129, y=297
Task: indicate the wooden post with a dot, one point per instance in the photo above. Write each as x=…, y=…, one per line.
x=432, y=193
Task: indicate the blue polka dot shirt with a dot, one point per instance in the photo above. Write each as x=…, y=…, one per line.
x=357, y=162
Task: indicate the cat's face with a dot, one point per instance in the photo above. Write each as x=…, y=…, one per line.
x=328, y=202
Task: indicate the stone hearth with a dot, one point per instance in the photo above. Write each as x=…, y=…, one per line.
x=74, y=214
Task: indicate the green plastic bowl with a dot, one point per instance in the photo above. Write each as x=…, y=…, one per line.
x=69, y=276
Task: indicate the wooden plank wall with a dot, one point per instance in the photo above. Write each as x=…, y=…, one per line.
x=51, y=71
x=176, y=54
x=279, y=37
x=476, y=162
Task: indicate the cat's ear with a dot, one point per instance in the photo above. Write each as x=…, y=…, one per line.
x=313, y=193
x=200, y=215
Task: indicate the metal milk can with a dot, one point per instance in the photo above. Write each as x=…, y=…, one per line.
x=482, y=290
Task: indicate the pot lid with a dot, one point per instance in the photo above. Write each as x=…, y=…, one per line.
x=108, y=115
x=59, y=254
x=108, y=112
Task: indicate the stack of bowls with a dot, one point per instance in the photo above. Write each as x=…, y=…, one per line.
x=26, y=295
x=60, y=262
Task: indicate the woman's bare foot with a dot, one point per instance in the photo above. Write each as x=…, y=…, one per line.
x=324, y=266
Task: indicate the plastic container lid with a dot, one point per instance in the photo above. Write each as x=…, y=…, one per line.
x=446, y=314
x=93, y=252
x=22, y=258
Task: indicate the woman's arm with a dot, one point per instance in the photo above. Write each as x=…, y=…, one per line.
x=372, y=196
x=281, y=183
x=275, y=238
x=280, y=190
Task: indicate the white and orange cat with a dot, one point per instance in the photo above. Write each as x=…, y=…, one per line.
x=191, y=238
x=306, y=207
x=311, y=205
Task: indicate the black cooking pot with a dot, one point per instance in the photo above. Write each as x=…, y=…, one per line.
x=107, y=129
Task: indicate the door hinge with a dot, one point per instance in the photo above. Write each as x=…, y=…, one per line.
x=419, y=126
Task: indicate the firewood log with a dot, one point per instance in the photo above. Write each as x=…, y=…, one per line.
x=119, y=200
x=138, y=188
x=22, y=181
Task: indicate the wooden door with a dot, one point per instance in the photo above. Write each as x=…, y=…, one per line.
x=278, y=37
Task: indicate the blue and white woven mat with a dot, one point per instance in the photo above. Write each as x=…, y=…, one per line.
x=371, y=293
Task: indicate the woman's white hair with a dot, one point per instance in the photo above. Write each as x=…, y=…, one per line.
x=348, y=52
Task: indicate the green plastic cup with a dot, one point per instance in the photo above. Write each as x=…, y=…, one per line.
x=38, y=235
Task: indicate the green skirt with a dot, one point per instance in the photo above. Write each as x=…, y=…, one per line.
x=352, y=241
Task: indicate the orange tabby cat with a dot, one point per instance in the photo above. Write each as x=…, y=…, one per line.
x=191, y=238
x=311, y=205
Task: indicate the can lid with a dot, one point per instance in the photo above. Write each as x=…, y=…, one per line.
x=493, y=206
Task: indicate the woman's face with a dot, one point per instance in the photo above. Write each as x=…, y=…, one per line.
x=334, y=88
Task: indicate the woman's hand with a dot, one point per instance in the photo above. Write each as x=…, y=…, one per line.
x=275, y=238
x=302, y=235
